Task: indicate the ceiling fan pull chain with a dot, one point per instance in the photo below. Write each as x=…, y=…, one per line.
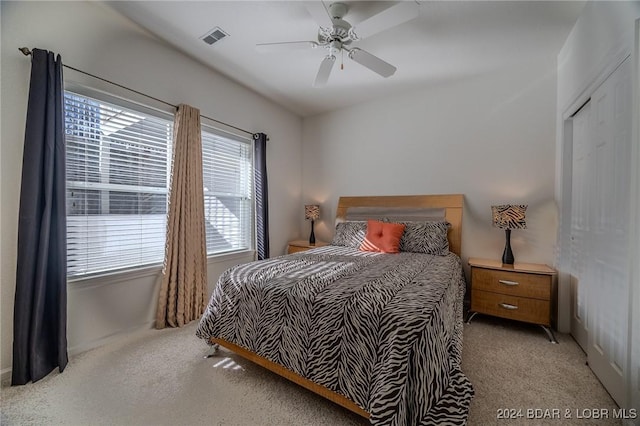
x=341, y=59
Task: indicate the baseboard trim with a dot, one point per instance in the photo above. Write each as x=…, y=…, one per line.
x=5, y=377
x=111, y=338
x=5, y=374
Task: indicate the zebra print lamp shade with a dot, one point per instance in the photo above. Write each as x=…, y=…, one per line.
x=312, y=212
x=508, y=217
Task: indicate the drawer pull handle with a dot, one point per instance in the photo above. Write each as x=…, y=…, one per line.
x=508, y=306
x=506, y=282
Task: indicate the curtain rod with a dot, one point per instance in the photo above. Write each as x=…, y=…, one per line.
x=26, y=52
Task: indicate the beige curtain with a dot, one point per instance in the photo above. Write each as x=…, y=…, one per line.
x=184, y=275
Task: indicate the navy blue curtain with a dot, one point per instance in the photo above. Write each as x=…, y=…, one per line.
x=40, y=309
x=262, y=197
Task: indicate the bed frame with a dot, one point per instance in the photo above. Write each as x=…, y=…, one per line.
x=452, y=205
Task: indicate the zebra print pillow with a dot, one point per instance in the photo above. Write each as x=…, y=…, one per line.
x=426, y=237
x=349, y=234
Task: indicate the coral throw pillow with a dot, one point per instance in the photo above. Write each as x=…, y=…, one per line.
x=383, y=237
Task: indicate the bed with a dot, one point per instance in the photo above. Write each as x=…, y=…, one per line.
x=379, y=334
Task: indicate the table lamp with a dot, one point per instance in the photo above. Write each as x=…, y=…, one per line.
x=312, y=213
x=508, y=217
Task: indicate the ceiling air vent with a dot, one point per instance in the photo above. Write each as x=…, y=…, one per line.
x=214, y=36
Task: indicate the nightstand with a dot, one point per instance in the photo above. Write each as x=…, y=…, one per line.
x=522, y=291
x=302, y=245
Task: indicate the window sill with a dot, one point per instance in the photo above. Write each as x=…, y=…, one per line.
x=149, y=271
x=234, y=255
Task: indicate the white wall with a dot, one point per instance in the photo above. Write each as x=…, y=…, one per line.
x=94, y=38
x=489, y=137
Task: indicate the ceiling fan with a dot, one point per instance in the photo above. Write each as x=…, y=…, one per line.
x=336, y=35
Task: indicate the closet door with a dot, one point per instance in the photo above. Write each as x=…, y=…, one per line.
x=607, y=255
x=579, y=244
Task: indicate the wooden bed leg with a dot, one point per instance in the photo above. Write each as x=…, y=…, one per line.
x=214, y=351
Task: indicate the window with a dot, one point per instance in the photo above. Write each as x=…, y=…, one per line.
x=228, y=208
x=118, y=176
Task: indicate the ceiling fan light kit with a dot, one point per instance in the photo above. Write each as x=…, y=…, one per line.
x=340, y=34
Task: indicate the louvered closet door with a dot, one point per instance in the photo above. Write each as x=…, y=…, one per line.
x=607, y=257
x=580, y=225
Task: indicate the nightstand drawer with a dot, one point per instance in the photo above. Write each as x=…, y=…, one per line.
x=505, y=306
x=512, y=283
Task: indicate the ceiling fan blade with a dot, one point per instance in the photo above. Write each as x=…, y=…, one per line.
x=319, y=13
x=324, y=71
x=284, y=46
x=372, y=62
x=388, y=18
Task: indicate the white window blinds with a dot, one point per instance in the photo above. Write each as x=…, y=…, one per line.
x=228, y=208
x=118, y=176
x=117, y=185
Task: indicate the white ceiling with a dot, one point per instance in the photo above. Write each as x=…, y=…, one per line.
x=449, y=40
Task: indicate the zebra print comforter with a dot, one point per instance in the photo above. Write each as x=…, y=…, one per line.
x=384, y=330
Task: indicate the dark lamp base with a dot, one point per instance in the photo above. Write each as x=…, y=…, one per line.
x=507, y=255
x=312, y=237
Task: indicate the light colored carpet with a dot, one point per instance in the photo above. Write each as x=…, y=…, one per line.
x=161, y=378
x=512, y=365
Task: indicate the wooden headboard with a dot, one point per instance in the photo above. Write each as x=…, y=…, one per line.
x=452, y=205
